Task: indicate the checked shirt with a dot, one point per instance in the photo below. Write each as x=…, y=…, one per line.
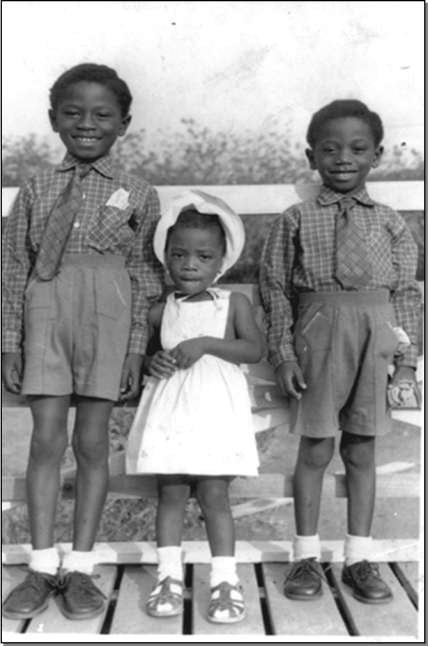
x=299, y=255
x=97, y=228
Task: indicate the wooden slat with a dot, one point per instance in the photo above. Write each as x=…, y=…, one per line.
x=130, y=616
x=411, y=577
x=404, y=549
x=275, y=198
x=252, y=624
x=53, y=621
x=396, y=618
x=289, y=617
x=11, y=577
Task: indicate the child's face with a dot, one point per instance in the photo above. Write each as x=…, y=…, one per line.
x=88, y=119
x=194, y=258
x=344, y=154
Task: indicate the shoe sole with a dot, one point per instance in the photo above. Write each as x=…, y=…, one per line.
x=24, y=615
x=70, y=615
x=359, y=597
x=233, y=620
x=159, y=615
x=305, y=597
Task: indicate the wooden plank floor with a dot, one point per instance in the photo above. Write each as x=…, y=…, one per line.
x=335, y=613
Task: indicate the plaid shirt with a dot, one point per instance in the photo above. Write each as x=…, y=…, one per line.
x=299, y=255
x=98, y=228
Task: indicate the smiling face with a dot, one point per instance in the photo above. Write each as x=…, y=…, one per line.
x=344, y=153
x=194, y=257
x=88, y=120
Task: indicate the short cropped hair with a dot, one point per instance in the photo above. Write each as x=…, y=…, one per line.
x=92, y=73
x=340, y=109
x=190, y=218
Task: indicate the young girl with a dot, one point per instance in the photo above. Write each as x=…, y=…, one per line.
x=193, y=425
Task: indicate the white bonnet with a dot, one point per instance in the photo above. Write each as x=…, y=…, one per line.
x=203, y=203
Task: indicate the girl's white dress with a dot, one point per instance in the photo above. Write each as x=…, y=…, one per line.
x=198, y=421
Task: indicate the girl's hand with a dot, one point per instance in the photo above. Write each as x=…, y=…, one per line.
x=11, y=371
x=130, y=382
x=289, y=378
x=162, y=365
x=188, y=352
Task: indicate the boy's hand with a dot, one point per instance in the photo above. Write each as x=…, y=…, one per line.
x=162, y=365
x=404, y=373
x=403, y=390
x=289, y=378
x=11, y=371
x=131, y=377
x=188, y=352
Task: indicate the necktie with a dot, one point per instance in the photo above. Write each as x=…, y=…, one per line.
x=352, y=262
x=58, y=226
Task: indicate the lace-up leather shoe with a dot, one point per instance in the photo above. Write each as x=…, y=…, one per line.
x=367, y=586
x=30, y=597
x=304, y=581
x=80, y=597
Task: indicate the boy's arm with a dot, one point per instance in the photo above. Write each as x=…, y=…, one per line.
x=275, y=281
x=16, y=268
x=406, y=298
x=146, y=274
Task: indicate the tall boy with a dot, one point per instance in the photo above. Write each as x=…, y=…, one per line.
x=337, y=275
x=79, y=276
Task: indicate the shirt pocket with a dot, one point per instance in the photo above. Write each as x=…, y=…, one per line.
x=110, y=229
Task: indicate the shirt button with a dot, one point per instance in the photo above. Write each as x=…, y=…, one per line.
x=76, y=225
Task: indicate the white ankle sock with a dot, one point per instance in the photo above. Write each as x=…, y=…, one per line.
x=357, y=548
x=79, y=561
x=306, y=547
x=223, y=568
x=45, y=560
x=170, y=562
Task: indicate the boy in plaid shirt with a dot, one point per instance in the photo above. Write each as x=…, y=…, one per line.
x=79, y=276
x=338, y=282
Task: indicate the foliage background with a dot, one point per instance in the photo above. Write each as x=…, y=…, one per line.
x=198, y=155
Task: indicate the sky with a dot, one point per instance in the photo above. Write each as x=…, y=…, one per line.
x=228, y=65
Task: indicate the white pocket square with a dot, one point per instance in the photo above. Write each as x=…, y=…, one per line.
x=119, y=199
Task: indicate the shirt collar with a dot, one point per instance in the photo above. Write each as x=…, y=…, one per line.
x=103, y=165
x=327, y=196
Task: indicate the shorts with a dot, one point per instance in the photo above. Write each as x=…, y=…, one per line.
x=77, y=328
x=344, y=343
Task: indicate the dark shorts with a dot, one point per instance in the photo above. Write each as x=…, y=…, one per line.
x=77, y=328
x=344, y=343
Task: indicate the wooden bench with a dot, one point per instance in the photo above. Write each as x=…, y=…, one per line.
x=127, y=569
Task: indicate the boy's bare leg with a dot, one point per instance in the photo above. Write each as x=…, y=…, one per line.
x=48, y=443
x=358, y=455
x=91, y=448
x=313, y=458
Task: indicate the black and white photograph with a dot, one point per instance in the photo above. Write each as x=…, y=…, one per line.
x=212, y=321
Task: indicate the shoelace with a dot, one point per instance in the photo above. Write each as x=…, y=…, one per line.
x=35, y=579
x=84, y=581
x=366, y=569
x=305, y=566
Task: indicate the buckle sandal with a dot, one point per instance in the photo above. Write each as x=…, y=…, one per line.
x=166, y=599
x=227, y=604
x=304, y=581
x=80, y=597
x=366, y=583
x=30, y=597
